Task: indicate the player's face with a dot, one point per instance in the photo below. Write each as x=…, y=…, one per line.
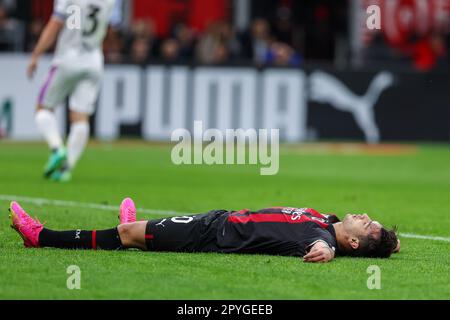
x=360, y=225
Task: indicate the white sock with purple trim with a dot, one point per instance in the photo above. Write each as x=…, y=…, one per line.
x=48, y=126
x=78, y=138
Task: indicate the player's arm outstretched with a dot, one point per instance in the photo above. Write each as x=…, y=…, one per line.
x=46, y=41
x=320, y=252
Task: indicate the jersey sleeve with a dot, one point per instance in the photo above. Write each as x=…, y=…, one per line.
x=317, y=234
x=60, y=9
x=116, y=14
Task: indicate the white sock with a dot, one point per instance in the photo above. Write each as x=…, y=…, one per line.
x=78, y=138
x=48, y=126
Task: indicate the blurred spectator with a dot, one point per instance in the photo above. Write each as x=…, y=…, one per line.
x=186, y=39
x=424, y=52
x=4, y=19
x=318, y=20
x=221, y=54
x=8, y=5
x=140, y=51
x=141, y=44
x=283, y=28
x=427, y=52
x=212, y=47
x=230, y=40
x=378, y=49
x=34, y=31
x=113, y=46
x=282, y=55
x=143, y=28
x=11, y=32
x=256, y=42
x=282, y=33
x=170, y=51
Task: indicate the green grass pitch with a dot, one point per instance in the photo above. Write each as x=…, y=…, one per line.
x=411, y=190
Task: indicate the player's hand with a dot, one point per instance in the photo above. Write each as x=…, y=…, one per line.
x=32, y=66
x=320, y=252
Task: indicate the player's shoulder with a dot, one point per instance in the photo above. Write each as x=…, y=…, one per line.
x=108, y=3
x=105, y=3
x=60, y=4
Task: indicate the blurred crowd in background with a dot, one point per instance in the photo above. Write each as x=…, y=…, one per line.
x=278, y=33
x=218, y=44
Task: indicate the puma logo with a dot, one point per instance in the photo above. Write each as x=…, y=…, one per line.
x=326, y=88
x=161, y=223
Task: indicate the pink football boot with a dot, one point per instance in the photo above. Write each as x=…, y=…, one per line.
x=127, y=211
x=28, y=228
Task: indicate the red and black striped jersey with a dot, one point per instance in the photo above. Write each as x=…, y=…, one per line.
x=278, y=231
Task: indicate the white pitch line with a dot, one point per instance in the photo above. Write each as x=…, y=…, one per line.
x=86, y=205
x=83, y=205
x=418, y=236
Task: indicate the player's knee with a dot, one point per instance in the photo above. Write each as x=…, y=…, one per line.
x=126, y=233
x=78, y=117
x=41, y=107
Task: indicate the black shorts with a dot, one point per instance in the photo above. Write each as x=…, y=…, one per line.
x=194, y=233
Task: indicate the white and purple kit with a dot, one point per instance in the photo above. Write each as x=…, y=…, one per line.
x=78, y=63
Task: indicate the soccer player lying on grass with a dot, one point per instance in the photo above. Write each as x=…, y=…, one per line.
x=285, y=231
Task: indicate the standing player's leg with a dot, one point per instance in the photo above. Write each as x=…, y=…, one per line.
x=76, y=143
x=81, y=105
x=130, y=235
x=48, y=126
x=78, y=136
x=53, y=92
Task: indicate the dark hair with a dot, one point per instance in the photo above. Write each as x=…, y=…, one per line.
x=378, y=247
